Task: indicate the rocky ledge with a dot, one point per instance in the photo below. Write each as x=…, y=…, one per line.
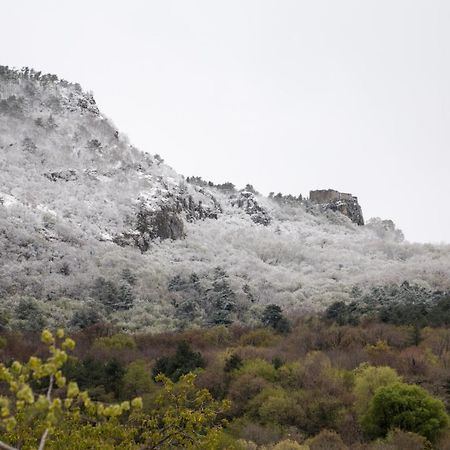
x=331, y=200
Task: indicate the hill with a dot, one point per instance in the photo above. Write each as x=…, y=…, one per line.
x=94, y=229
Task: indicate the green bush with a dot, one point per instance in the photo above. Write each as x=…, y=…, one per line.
x=407, y=407
x=367, y=380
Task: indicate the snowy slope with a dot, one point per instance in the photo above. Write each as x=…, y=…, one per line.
x=78, y=202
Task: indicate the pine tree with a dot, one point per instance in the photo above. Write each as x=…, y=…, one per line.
x=221, y=299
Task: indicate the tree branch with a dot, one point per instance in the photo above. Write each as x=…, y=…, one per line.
x=50, y=388
x=6, y=446
x=179, y=431
x=43, y=439
x=49, y=398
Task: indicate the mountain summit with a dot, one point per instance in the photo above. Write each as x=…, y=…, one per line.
x=92, y=229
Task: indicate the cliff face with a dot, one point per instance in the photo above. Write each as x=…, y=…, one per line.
x=85, y=216
x=344, y=203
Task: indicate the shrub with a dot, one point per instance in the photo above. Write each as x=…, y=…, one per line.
x=326, y=440
x=275, y=405
x=242, y=390
x=234, y=362
x=407, y=407
x=289, y=445
x=252, y=432
x=258, y=368
x=407, y=440
x=367, y=380
x=116, y=342
x=184, y=361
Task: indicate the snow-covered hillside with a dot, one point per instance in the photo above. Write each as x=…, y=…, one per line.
x=92, y=228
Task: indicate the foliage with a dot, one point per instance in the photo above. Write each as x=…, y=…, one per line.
x=404, y=304
x=407, y=407
x=103, y=378
x=221, y=298
x=185, y=418
x=367, y=380
x=234, y=362
x=320, y=380
x=113, y=297
x=405, y=439
x=184, y=361
x=289, y=445
x=326, y=440
x=259, y=338
x=182, y=416
x=85, y=317
x=273, y=317
x=117, y=341
x=258, y=368
x=29, y=417
x=137, y=380
x=30, y=315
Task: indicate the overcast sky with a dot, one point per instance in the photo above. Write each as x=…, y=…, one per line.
x=286, y=95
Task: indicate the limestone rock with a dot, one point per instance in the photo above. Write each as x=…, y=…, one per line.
x=347, y=204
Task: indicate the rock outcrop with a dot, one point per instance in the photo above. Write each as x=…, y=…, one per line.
x=331, y=200
x=62, y=175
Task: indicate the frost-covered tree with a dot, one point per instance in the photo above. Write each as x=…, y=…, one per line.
x=221, y=299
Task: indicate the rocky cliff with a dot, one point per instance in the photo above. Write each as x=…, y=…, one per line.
x=346, y=204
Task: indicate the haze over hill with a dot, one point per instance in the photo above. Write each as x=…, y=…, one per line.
x=92, y=228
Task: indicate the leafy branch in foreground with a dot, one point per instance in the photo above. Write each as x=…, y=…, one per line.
x=28, y=417
x=184, y=417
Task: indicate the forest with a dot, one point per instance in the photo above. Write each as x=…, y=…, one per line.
x=317, y=382
x=141, y=309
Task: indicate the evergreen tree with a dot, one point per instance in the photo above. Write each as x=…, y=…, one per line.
x=221, y=299
x=112, y=297
x=184, y=361
x=273, y=317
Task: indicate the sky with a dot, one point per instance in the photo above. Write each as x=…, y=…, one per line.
x=288, y=95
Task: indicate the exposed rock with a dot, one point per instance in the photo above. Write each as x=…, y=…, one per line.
x=62, y=175
x=248, y=202
x=150, y=225
x=332, y=200
x=161, y=213
x=163, y=224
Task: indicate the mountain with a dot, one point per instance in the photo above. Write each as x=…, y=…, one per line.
x=94, y=229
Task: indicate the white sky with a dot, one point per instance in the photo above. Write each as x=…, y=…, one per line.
x=286, y=95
